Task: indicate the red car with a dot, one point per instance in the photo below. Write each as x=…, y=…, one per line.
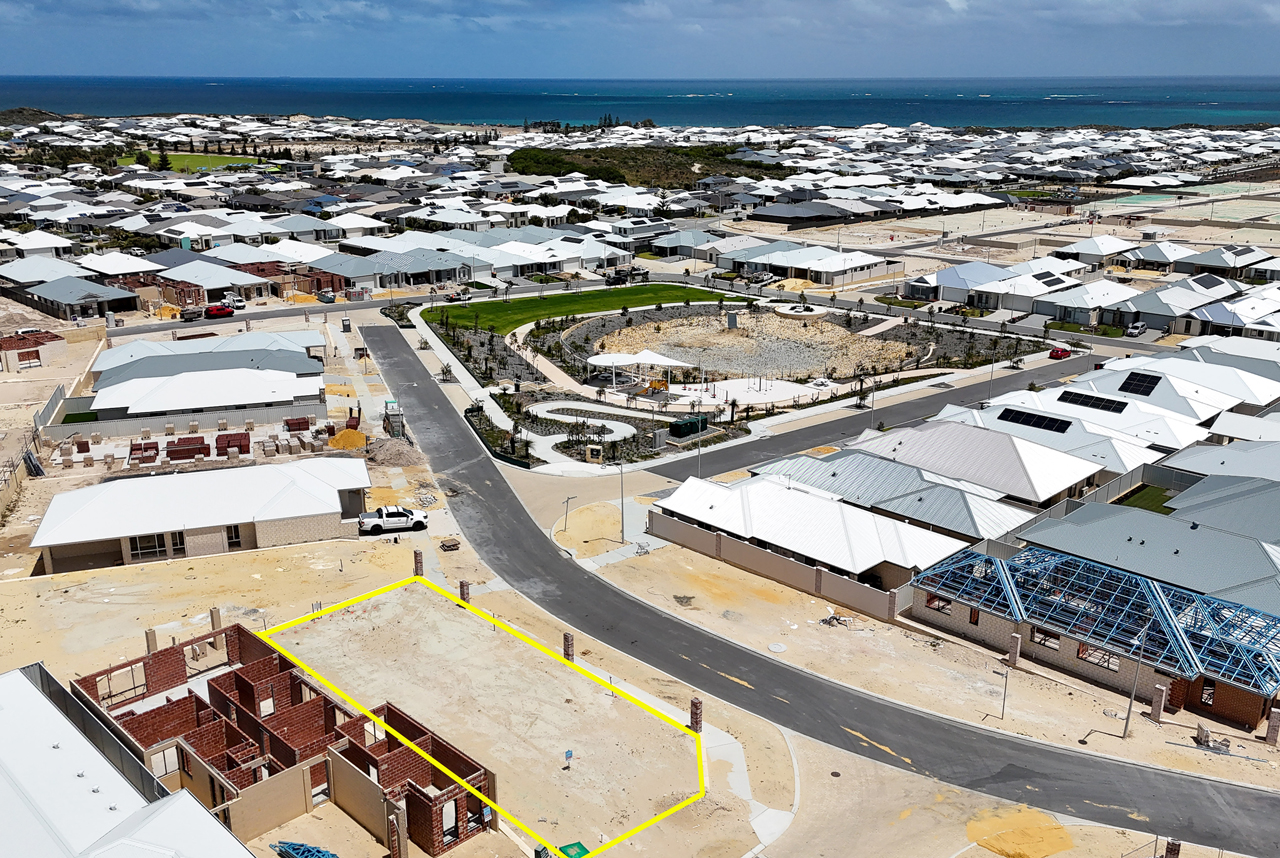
x=218, y=311
x=1059, y=354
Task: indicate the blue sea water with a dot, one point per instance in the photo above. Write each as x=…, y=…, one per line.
x=1042, y=102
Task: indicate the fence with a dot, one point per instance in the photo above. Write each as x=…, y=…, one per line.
x=1147, y=475
x=45, y=415
x=207, y=420
x=99, y=734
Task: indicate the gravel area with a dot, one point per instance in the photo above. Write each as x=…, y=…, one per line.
x=967, y=348
x=762, y=344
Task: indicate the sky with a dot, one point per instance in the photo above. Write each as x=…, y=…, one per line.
x=639, y=38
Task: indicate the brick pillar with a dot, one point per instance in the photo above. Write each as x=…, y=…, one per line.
x=248, y=325
x=417, y=562
x=464, y=591
x=1273, y=726
x=152, y=646
x=1173, y=849
x=568, y=646
x=1157, y=703
x=695, y=715
x=1015, y=649
x=393, y=837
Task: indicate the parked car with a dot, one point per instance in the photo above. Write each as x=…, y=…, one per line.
x=616, y=280
x=22, y=332
x=190, y=314
x=1137, y=329
x=218, y=311
x=1059, y=354
x=453, y=297
x=387, y=518
x=235, y=302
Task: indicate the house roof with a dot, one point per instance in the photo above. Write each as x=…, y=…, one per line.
x=73, y=290
x=116, y=264
x=1014, y=466
x=161, y=366
x=205, y=389
x=808, y=521
x=209, y=276
x=1201, y=558
x=1244, y=505
x=869, y=481
x=40, y=269
x=292, y=340
x=186, y=501
x=1101, y=245
x=1238, y=459
x=240, y=253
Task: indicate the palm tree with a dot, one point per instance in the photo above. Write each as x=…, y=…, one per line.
x=860, y=302
x=733, y=409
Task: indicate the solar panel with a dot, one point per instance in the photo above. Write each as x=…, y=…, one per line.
x=1139, y=384
x=1035, y=421
x=1087, y=400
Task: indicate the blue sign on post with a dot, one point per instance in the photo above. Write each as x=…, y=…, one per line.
x=568, y=759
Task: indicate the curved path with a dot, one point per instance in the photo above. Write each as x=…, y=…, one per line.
x=1113, y=792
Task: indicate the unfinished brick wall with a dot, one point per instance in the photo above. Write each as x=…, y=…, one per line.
x=425, y=815
x=164, y=722
x=1233, y=705
x=311, y=528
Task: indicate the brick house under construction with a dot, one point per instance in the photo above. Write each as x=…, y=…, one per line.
x=244, y=730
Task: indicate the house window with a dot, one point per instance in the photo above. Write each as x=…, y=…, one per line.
x=1207, y=691
x=184, y=760
x=1100, y=657
x=267, y=707
x=233, y=536
x=165, y=762
x=937, y=603
x=1046, y=639
x=973, y=616
x=146, y=547
x=178, y=543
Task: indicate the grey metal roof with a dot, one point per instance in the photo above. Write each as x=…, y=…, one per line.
x=162, y=366
x=1239, y=459
x=1242, y=505
x=1201, y=558
x=73, y=290
x=347, y=265
x=869, y=481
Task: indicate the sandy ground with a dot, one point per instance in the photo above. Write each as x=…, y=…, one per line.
x=517, y=711
x=762, y=344
x=329, y=828
x=890, y=813
x=544, y=495
x=592, y=530
x=925, y=669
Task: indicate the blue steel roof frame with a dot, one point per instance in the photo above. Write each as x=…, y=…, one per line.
x=1105, y=607
x=1233, y=642
x=1190, y=634
x=966, y=577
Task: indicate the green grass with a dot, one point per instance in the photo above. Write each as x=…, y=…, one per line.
x=648, y=255
x=900, y=302
x=1150, y=498
x=80, y=417
x=506, y=317
x=191, y=162
x=1099, y=331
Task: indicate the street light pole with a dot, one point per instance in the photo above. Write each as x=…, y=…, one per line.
x=1142, y=647
x=566, y=512
x=1004, y=700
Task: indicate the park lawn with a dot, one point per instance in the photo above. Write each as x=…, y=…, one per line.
x=191, y=162
x=1150, y=498
x=506, y=317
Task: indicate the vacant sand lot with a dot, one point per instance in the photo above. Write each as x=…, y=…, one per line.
x=513, y=708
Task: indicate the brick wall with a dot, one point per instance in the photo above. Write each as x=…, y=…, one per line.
x=311, y=528
x=1233, y=705
x=201, y=541
x=164, y=722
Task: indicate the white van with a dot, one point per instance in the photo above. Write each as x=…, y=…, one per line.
x=235, y=302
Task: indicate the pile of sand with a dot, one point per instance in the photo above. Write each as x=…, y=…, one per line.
x=395, y=453
x=348, y=439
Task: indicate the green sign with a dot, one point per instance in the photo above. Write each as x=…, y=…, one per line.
x=574, y=850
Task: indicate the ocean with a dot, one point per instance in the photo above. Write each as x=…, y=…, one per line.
x=1004, y=102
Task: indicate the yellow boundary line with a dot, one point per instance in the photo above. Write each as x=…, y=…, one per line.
x=267, y=634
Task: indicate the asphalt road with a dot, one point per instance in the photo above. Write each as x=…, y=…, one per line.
x=1237, y=818
x=719, y=460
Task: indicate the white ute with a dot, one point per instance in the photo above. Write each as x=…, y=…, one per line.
x=388, y=518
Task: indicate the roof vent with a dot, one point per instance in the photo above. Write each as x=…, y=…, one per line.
x=1195, y=525
x=1176, y=551
x=1130, y=539
x=1142, y=542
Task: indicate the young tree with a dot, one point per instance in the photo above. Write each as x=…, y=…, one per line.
x=143, y=158
x=163, y=163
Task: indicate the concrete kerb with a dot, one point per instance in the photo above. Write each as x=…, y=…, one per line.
x=907, y=707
